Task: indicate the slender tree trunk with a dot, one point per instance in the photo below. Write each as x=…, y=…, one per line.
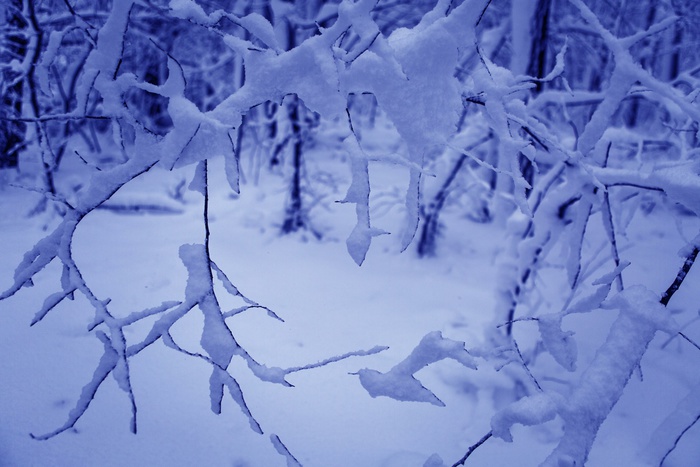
x=12, y=133
x=431, y=214
x=294, y=213
x=47, y=159
x=675, y=60
x=632, y=115
x=537, y=66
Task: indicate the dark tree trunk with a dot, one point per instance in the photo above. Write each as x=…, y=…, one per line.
x=427, y=243
x=294, y=213
x=431, y=215
x=48, y=161
x=537, y=66
x=632, y=114
x=675, y=65
x=12, y=133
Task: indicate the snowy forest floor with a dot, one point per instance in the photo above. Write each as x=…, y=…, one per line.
x=330, y=307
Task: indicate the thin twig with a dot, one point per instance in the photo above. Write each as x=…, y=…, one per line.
x=689, y=340
x=49, y=118
x=482, y=13
x=609, y=224
x=687, y=264
x=675, y=443
x=472, y=448
x=207, y=232
x=517, y=320
x=527, y=369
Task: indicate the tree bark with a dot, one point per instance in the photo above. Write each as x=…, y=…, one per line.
x=12, y=133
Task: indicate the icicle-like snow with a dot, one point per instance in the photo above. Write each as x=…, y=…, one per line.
x=358, y=193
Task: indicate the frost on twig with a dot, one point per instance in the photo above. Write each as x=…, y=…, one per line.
x=400, y=384
x=601, y=385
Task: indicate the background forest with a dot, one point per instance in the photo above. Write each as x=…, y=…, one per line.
x=357, y=233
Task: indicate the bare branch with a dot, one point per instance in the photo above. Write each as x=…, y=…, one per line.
x=677, y=440
x=473, y=448
x=687, y=264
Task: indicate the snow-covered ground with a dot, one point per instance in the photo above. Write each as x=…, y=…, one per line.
x=330, y=306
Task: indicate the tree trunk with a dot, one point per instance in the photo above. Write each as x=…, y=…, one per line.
x=294, y=212
x=12, y=133
x=537, y=67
